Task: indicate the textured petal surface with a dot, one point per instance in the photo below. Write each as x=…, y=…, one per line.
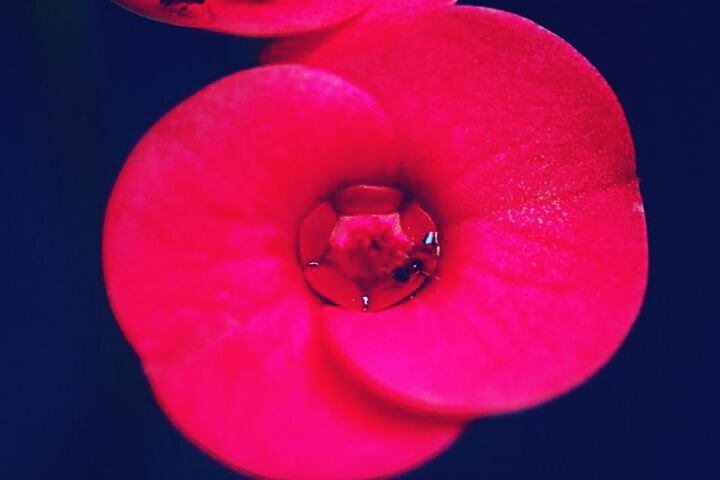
x=517, y=315
x=201, y=266
x=522, y=151
x=495, y=112
x=248, y=17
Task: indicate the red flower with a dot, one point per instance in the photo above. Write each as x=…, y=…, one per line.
x=473, y=190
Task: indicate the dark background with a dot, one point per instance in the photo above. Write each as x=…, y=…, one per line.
x=80, y=81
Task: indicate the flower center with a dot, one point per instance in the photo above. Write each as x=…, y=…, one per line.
x=368, y=247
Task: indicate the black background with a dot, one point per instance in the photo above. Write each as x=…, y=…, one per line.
x=80, y=81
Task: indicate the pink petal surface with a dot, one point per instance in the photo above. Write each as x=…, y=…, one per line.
x=521, y=150
x=517, y=315
x=249, y=17
x=201, y=267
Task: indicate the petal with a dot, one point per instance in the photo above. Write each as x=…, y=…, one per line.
x=367, y=200
x=224, y=179
x=527, y=305
x=266, y=399
x=248, y=17
x=496, y=111
x=496, y=117
x=201, y=268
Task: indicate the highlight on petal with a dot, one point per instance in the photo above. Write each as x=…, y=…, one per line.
x=201, y=268
x=523, y=153
x=257, y=18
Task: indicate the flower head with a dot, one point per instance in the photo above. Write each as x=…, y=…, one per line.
x=325, y=267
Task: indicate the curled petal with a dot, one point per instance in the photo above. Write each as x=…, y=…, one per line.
x=201, y=268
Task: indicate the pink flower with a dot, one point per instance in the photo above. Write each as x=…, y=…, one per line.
x=326, y=269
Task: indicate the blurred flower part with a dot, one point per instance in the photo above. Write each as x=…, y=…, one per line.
x=257, y=18
x=260, y=18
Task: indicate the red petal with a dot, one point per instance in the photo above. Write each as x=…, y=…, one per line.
x=201, y=267
x=248, y=17
x=496, y=116
x=496, y=111
x=211, y=184
x=265, y=399
x=528, y=304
